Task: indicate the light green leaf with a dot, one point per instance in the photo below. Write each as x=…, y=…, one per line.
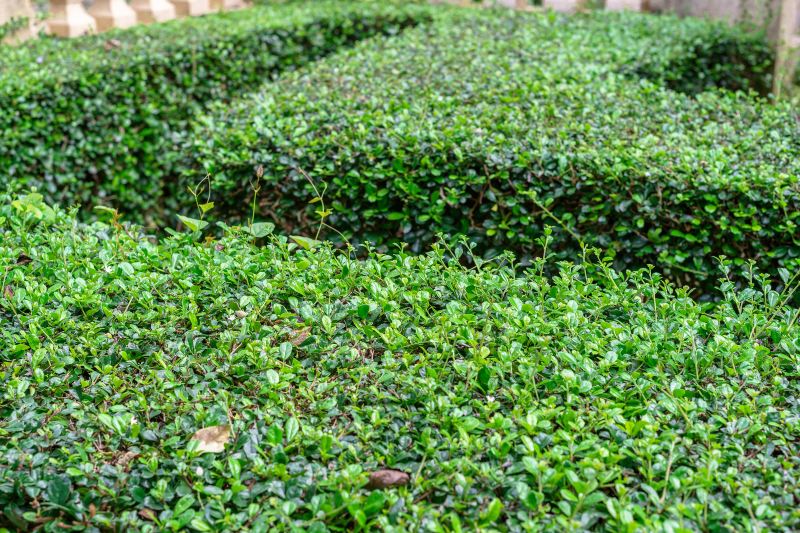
x=192, y=223
x=260, y=229
x=305, y=242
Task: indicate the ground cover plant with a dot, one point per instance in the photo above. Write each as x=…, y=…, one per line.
x=219, y=385
x=97, y=119
x=495, y=124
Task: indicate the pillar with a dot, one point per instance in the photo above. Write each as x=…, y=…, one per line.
x=788, y=42
x=224, y=5
x=17, y=10
x=192, y=8
x=565, y=6
x=68, y=18
x=148, y=11
x=110, y=14
x=620, y=5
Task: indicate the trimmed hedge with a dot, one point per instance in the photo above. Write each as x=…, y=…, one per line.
x=496, y=125
x=97, y=119
x=506, y=402
x=702, y=56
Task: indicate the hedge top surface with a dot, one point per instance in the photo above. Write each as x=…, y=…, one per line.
x=59, y=60
x=510, y=401
x=510, y=83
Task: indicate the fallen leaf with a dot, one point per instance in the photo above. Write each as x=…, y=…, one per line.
x=125, y=458
x=298, y=337
x=111, y=44
x=382, y=479
x=212, y=439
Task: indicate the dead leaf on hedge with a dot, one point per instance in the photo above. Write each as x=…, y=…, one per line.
x=384, y=479
x=111, y=44
x=8, y=292
x=212, y=439
x=299, y=336
x=124, y=458
x=147, y=514
x=23, y=259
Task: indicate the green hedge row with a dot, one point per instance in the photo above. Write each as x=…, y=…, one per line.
x=704, y=55
x=502, y=401
x=97, y=119
x=495, y=125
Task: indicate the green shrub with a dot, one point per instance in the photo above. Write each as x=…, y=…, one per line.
x=96, y=119
x=495, y=125
x=706, y=56
x=513, y=402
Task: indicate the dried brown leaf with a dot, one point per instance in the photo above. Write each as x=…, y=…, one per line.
x=383, y=479
x=110, y=44
x=125, y=458
x=212, y=439
x=298, y=337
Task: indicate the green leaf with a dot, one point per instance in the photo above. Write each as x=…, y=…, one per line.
x=105, y=210
x=484, y=377
x=260, y=229
x=183, y=504
x=198, y=524
x=305, y=242
x=291, y=427
x=492, y=512
x=58, y=490
x=274, y=435
x=285, y=350
x=192, y=223
x=374, y=503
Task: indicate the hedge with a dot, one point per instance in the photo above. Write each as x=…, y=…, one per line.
x=496, y=400
x=496, y=125
x=702, y=55
x=97, y=119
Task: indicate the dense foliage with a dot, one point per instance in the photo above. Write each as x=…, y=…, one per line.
x=511, y=400
x=98, y=118
x=494, y=125
x=223, y=378
x=699, y=56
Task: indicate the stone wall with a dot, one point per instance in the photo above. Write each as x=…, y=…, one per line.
x=759, y=12
x=11, y=9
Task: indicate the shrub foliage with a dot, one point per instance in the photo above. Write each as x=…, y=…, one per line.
x=97, y=119
x=510, y=400
x=496, y=125
x=249, y=381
